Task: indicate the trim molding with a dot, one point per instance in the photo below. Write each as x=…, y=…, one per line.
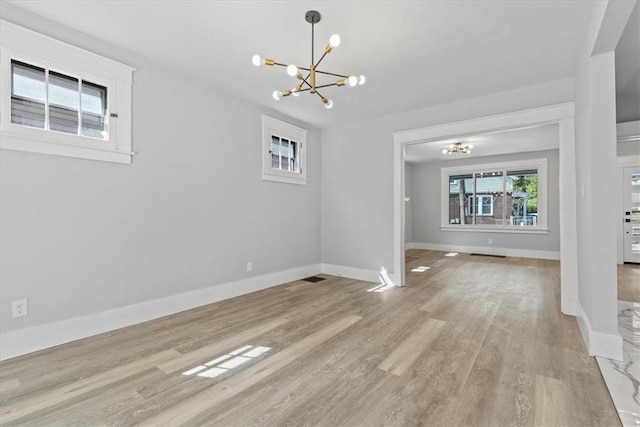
x=598, y=344
x=23, y=341
x=351, y=272
x=520, y=253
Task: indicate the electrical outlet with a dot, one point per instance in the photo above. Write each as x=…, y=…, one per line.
x=491, y=241
x=249, y=266
x=19, y=308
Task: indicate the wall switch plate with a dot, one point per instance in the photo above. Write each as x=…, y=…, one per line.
x=19, y=308
x=249, y=266
x=491, y=241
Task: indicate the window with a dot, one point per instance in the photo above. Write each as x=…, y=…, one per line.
x=284, y=152
x=505, y=197
x=62, y=100
x=46, y=99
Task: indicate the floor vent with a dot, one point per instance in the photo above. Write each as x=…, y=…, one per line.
x=314, y=279
x=492, y=256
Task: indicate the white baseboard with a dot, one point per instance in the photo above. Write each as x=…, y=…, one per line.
x=351, y=272
x=28, y=340
x=487, y=250
x=598, y=344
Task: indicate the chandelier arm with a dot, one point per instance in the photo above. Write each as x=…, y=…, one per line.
x=332, y=74
x=321, y=58
x=317, y=87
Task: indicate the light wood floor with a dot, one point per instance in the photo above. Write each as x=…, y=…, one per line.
x=471, y=341
x=629, y=282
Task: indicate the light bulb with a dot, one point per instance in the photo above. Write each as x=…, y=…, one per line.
x=277, y=95
x=469, y=147
x=295, y=92
x=328, y=104
x=292, y=70
x=352, y=80
x=444, y=151
x=362, y=79
x=256, y=60
x=334, y=40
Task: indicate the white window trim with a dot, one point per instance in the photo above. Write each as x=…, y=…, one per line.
x=539, y=164
x=27, y=46
x=271, y=126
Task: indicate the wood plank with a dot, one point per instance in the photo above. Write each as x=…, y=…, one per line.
x=406, y=353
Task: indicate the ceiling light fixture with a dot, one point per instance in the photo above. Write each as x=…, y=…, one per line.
x=458, y=148
x=308, y=82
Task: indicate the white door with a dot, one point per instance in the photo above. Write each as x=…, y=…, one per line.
x=631, y=216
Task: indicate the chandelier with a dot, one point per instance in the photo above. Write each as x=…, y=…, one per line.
x=458, y=148
x=308, y=82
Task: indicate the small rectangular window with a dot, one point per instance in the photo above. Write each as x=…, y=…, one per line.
x=51, y=100
x=61, y=100
x=284, y=152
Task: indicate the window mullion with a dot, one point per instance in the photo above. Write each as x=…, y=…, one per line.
x=474, y=200
x=291, y=157
x=46, y=99
x=79, y=130
x=504, y=197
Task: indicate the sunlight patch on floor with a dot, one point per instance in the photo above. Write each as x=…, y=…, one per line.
x=228, y=362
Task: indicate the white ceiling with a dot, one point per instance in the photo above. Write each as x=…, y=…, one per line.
x=414, y=53
x=538, y=138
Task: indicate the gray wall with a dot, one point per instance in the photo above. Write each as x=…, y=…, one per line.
x=357, y=171
x=426, y=207
x=628, y=148
x=81, y=237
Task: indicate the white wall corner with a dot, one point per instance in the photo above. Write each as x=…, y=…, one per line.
x=351, y=272
x=598, y=344
x=568, y=306
x=23, y=341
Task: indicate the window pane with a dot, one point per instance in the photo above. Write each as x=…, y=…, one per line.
x=27, y=95
x=284, y=154
x=275, y=152
x=460, y=197
x=94, y=110
x=64, y=99
x=489, y=186
x=522, y=187
x=294, y=154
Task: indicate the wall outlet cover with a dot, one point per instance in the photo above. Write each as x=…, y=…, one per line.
x=19, y=308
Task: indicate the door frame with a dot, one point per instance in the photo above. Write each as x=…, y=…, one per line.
x=622, y=162
x=561, y=114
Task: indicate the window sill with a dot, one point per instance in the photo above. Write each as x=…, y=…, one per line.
x=15, y=142
x=285, y=179
x=492, y=229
